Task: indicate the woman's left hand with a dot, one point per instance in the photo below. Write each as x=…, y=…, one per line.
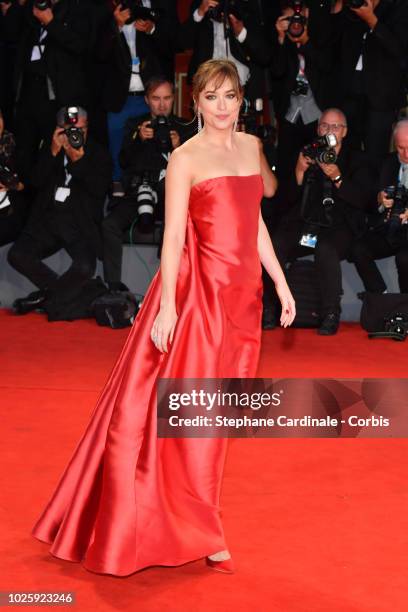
x=288, y=304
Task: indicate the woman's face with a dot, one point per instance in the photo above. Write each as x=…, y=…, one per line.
x=219, y=107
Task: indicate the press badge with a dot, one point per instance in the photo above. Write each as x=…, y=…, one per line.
x=62, y=194
x=308, y=240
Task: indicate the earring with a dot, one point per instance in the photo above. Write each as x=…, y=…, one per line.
x=199, y=122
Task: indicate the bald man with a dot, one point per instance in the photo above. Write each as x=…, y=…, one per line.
x=380, y=242
x=330, y=202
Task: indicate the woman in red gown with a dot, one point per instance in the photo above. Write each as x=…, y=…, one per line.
x=128, y=499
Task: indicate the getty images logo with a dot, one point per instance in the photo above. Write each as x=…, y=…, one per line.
x=210, y=400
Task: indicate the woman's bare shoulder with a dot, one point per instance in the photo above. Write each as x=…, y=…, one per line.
x=248, y=140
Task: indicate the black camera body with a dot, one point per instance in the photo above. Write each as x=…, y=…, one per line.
x=227, y=7
x=139, y=12
x=397, y=323
x=161, y=126
x=74, y=134
x=322, y=149
x=354, y=4
x=301, y=88
x=248, y=123
x=42, y=5
x=8, y=178
x=399, y=194
x=297, y=21
x=75, y=137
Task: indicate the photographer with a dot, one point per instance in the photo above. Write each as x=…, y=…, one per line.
x=332, y=189
x=139, y=44
x=50, y=70
x=237, y=35
x=371, y=48
x=144, y=156
x=72, y=178
x=13, y=205
x=300, y=65
x=389, y=232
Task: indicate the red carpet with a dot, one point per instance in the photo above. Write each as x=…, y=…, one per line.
x=313, y=525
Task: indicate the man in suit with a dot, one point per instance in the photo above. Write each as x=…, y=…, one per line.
x=300, y=65
x=72, y=178
x=49, y=70
x=382, y=241
x=371, y=48
x=238, y=37
x=135, y=50
x=330, y=202
x=142, y=153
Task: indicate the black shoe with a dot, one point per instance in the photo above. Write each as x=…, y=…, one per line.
x=329, y=325
x=268, y=319
x=33, y=301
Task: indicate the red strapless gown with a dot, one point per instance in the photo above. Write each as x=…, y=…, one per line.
x=127, y=499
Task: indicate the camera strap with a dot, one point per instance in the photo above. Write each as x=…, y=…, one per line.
x=324, y=217
x=63, y=192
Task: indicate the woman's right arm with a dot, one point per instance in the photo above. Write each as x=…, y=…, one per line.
x=177, y=190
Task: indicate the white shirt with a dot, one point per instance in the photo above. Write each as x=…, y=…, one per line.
x=130, y=33
x=222, y=47
x=403, y=175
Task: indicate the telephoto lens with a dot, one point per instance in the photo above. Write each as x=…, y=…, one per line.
x=146, y=203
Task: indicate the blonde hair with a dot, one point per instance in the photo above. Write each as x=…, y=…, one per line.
x=216, y=71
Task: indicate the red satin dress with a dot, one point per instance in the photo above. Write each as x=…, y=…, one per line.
x=127, y=499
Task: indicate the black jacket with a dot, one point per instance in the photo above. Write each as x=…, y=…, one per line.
x=156, y=52
x=351, y=199
x=285, y=68
x=389, y=173
x=384, y=53
x=65, y=53
x=137, y=155
x=91, y=177
x=254, y=52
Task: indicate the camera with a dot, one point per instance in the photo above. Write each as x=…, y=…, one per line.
x=225, y=8
x=42, y=5
x=297, y=21
x=399, y=194
x=301, y=87
x=8, y=178
x=74, y=134
x=161, y=126
x=139, y=12
x=397, y=323
x=248, y=123
x=322, y=149
x=75, y=137
x=354, y=3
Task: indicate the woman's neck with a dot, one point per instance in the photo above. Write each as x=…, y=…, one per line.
x=223, y=139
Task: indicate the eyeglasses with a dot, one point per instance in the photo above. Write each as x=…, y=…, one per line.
x=333, y=127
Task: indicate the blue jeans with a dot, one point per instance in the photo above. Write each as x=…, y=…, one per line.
x=134, y=106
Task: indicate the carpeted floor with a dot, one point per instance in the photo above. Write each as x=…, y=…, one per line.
x=314, y=525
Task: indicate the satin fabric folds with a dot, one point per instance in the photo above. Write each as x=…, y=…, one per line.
x=127, y=499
